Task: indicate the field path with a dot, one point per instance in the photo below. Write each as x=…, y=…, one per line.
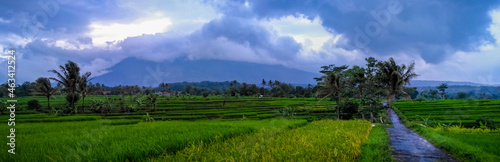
x=409, y=146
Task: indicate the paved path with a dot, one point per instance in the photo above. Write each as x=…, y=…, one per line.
x=409, y=146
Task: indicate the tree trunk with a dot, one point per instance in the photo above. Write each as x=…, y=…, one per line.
x=73, y=101
x=83, y=103
x=48, y=103
x=338, y=108
x=371, y=117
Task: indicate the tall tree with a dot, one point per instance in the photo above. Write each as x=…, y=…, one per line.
x=395, y=77
x=43, y=87
x=332, y=83
x=443, y=88
x=68, y=76
x=373, y=88
x=83, y=87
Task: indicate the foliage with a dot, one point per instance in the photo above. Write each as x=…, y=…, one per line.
x=3, y=107
x=34, y=105
x=287, y=112
x=68, y=76
x=443, y=88
x=485, y=123
x=348, y=109
x=147, y=118
x=83, y=88
x=332, y=83
x=395, y=77
x=462, y=95
x=44, y=88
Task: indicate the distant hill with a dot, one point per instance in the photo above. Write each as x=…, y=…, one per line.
x=455, y=87
x=428, y=83
x=132, y=71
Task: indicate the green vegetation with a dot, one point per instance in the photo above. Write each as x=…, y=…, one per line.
x=324, y=140
x=456, y=126
x=86, y=122
x=120, y=140
x=464, y=143
x=454, y=112
x=174, y=108
x=377, y=148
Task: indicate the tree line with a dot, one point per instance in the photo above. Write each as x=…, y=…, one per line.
x=352, y=88
x=366, y=87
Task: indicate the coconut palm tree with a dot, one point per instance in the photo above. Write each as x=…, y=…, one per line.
x=43, y=87
x=82, y=87
x=332, y=83
x=68, y=76
x=394, y=77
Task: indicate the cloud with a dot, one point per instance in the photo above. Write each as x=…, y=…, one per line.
x=228, y=38
x=423, y=27
x=103, y=33
x=446, y=35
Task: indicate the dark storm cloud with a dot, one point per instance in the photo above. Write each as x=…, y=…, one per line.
x=207, y=40
x=245, y=31
x=43, y=18
x=432, y=29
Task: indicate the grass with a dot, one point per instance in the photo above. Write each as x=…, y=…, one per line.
x=184, y=108
x=121, y=140
x=464, y=112
x=464, y=142
x=324, y=140
x=180, y=124
x=465, y=146
x=377, y=148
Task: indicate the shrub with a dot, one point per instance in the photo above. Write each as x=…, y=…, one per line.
x=34, y=105
x=485, y=123
x=147, y=118
x=348, y=110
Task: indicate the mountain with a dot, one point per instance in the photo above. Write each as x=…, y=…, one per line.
x=132, y=71
x=470, y=88
x=429, y=83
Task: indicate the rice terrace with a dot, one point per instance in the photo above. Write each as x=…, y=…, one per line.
x=250, y=80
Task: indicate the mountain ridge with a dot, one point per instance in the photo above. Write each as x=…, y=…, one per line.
x=132, y=71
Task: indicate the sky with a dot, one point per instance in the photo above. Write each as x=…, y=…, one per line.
x=449, y=40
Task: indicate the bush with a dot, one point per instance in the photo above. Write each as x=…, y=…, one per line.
x=34, y=105
x=484, y=122
x=348, y=110
x=69, y=98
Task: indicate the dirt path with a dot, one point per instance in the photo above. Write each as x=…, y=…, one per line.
x=409, y=146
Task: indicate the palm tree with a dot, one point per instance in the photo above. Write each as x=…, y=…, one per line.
x=332, y=83
x=394, y=77
x=43, y=87
x=82, y=87
x=68, y=76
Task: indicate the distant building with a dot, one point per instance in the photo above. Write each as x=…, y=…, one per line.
x=106, y=92
x=166, y=93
